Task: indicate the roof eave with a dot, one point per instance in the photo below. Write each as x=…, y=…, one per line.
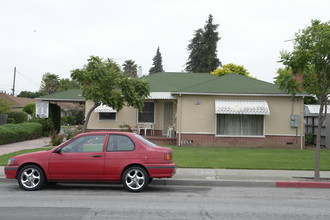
x=239, y=94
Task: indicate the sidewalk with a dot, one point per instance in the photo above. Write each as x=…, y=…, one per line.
x=29, y=144
x=212, y=177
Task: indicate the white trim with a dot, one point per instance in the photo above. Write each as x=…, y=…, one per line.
x=161, y=95
x=197, y=133
x=236, y=94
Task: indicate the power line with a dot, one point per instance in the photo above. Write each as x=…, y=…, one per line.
x=34, y=83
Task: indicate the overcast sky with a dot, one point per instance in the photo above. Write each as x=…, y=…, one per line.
x=39, y=36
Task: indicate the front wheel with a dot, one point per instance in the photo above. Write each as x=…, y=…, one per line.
x=135, y=179
x=31, y=178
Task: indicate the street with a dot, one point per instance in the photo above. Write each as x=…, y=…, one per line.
x=109, y=201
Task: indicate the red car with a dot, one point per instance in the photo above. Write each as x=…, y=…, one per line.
x=98, y=156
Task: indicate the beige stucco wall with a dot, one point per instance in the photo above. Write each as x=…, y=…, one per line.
x=196, y=114
x=127, y=115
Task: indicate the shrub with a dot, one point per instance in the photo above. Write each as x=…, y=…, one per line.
x=11, y=121
x=47, y=125
x=30, y=108
x=56, y=139
x=18, y=116
x=11, y=133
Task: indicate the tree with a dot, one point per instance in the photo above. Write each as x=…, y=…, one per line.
x=28, y=94
x=309, y=63
x=130, y=68
x=50, y=83
x=203, y=49
x=66, y=84
x=231, y=68
x=102, y=82
x=5, y=106
x=157, y=63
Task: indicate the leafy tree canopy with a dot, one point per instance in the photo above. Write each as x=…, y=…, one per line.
x=50, y=83
x=308, y=69
x=102, y=82
x=28, y=94
x=5, y=106
x=231, y=68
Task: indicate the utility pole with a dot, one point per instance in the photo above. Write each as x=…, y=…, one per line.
x=14, y=81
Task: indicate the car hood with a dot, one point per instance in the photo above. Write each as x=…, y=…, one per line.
x=39, y=154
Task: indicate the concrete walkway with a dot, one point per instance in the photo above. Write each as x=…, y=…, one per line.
x=212, y=177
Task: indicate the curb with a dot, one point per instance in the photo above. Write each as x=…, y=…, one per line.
x=303, y=184
x=212, y=183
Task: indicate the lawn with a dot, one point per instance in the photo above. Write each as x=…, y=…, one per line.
x=235, y=158
x=249, y=158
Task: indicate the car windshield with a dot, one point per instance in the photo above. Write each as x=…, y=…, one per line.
x=145, y=141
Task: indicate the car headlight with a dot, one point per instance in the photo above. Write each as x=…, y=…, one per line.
x=10, y=162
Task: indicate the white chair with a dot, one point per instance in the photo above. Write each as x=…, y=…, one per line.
x=170, y=132
x=148, y=126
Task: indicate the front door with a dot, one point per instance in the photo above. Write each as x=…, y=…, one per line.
x=168, y=116
x=83, y=158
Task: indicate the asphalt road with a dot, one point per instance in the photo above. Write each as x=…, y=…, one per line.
x=103, y=201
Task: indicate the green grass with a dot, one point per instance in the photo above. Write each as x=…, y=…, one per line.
x=235, y=158
x=4, y=158
x=249, y=158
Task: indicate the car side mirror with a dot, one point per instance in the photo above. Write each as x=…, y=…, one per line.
x=58, y=150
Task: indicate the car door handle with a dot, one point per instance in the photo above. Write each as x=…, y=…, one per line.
x=96, y=156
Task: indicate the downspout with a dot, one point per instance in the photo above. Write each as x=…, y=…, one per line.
x=180, y=122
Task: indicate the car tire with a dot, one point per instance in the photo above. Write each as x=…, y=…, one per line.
x=31, y=178
x=135, y=179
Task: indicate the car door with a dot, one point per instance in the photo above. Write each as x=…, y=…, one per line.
x=81, y=159
x=120, y=151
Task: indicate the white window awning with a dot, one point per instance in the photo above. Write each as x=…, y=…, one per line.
x=104, y=109
x=242, y=107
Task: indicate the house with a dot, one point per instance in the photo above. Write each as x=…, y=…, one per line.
x=17, y=102
x=200, y=109
x=311, y=124
x=69, y=101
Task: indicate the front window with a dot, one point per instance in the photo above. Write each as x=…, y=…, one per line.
x=240, y=125
x=107, y=116
x=92, y=143
x=148, y=113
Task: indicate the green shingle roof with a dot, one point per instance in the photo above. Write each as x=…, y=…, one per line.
x=66, y=96
x=207, y=83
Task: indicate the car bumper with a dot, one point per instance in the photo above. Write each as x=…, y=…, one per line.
x=161, y=170
x=10, y=172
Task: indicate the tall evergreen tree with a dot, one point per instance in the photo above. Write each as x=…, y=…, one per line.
x=203, y=49
x=157, y=63
x=130, y=68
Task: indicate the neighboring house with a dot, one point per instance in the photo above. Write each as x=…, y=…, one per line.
x=206, y=110
x=69, y=101
x=18, y=102
x=311, y=123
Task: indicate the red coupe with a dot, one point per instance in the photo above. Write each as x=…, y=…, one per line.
x=98, y=156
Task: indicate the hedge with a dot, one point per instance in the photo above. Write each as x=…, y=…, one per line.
x=10, y=133
x=18, y=116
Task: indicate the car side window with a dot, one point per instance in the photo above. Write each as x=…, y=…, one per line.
x=120, y=143
x=93, y=143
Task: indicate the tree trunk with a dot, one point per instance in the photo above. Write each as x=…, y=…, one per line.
x=89, y=115
x=321, y=119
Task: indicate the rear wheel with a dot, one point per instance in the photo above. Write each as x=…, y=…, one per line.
x=31, y=178
x=135, y=179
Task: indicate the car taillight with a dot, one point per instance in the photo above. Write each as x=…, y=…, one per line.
x=168, y=156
